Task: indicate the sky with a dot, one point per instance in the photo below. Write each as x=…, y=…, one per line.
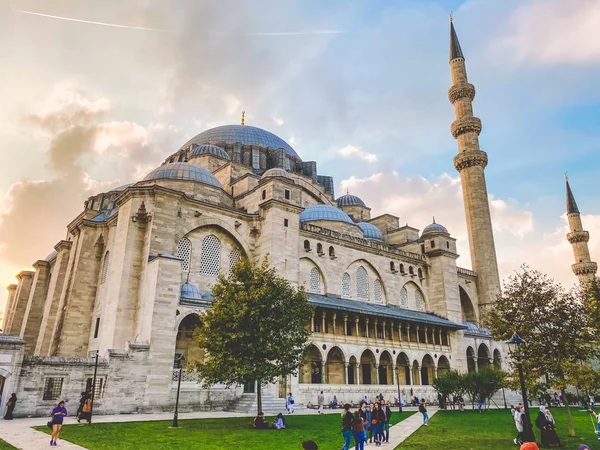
x=96, y=94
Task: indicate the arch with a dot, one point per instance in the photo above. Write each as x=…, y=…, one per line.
x=497, y=359
x=414, y=296
x=367, y=367
x=362, y=283
x=416, y=376
x=105, y=267
x=307, y=245
x=309, y=263
x=419, y=301
x=386, y=368
x=186, y=343
x=427, y=370
x=471, y=366
x=336, y=366
x=210, y=256
x=403, y=364
x=378, y=291
x=346, y=283
x=411, y=270
x=221, y=226
x=443, y=365
x=314, y=285
x=404, y=297
x=234, y=257
x=402, y=268
x=319, y=248
x=184, y=251
x=466, y=306
x=311, y=369
x=352, y=365
x=483, y=356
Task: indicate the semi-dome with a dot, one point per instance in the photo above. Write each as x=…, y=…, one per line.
x=183, y=171
x=190, y=291
x=434, y=228
x=324, y=212
x=247, y=135
x=350, y=200
x=370, y=231
x=209, y=149
x=276, y=172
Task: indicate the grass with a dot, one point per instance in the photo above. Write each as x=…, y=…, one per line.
x=6, y=446
x=214, y=434
x=494, y=430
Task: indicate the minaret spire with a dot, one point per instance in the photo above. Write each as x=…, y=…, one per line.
x=470, y=163
x=584, y=267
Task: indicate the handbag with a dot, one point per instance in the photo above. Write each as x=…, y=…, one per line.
x=374, y=422
x=49, y=424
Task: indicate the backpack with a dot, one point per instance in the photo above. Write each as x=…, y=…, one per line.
x=421, y=408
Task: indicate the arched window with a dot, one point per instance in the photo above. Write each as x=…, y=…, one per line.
x=411, y=271
x=346, y=285
x=320, y=249
x=401, y=268
x=420, y=272
x=210, y=260
x=315, y=281
x=404, y=297
x=184, y=251
x=377, y=291
x=362, y=284
x=392, y=266
x=418, y=300
x=331, y=252
x=234, y=257
x=105, y=267
x=307, y=245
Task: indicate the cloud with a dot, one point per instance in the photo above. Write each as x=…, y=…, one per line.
x=350, y=151
x=278, y=121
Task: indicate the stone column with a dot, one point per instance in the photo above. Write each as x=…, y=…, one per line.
x=358, y=372
x=323, y=318
x=418, y=334
x=426, y=335
x=324, y=379
x=356, y=319
x=392, y=331
x=35, y=306
x=334, y=317
x=395, y=374
x=346, y=366
x=376, y=373
x=313, y=322
x=345, y=324
x=14, y=321
x=367, y=327
x=383, y=329
x=376, y=330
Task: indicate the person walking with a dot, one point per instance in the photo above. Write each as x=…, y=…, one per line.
x=517, y=417
x=369, y=411
x=86, y=411
x=82, y=399
x=11, y=403
x=347, y=426
x=423, y=410
x=359, y=431
x=549, y=436
x=289, y=403
x=320, y=401
x=378, y=421
x=58, y=414
x=386, y=426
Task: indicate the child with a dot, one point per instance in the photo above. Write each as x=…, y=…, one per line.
x=423, y=410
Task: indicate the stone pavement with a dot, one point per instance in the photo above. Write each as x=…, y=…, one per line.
x=20, y=434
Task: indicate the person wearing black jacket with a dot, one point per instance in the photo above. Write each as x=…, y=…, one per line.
x=386, y=426
x=347, y=426
x=378, y=419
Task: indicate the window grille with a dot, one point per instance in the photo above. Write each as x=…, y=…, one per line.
x=404, y=297
x=420, y=272
x=287, y=194
x=210, y=261
x=315, y=281
x=52, y=388
x=377, y=291
x=105, y=267
x=346, y=285
x=418, y=300
x=99, y=390
x=184, y=251
x=362, y=283
x=234, y=257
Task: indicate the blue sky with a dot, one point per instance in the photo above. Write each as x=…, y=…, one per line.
x=89, y=106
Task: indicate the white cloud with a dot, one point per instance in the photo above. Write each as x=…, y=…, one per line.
x=232, y=104
x=278, y=121
x=350, y=151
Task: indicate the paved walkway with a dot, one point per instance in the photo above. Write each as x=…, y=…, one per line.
x=19, y=432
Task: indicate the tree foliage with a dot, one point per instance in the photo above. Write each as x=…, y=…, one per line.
x=256, y=329
x=558, y=327
x=482, y=384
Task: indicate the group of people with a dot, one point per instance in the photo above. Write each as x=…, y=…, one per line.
x=260, y=423
x=544, y=422
x=84, y=409
x=371, y=421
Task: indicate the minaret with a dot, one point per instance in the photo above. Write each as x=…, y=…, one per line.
x=584, y=268
x=470, y=163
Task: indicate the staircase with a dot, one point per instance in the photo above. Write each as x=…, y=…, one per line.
x=246, y=404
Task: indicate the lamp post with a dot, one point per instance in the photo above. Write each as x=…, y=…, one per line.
x=180, y=364
x=514, y=346
x=398, y=384
x=93, y=387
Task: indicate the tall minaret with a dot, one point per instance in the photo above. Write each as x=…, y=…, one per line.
x=470, y=163
x=584, y=267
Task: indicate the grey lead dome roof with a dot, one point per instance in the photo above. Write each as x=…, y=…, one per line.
x=324, y=212
x=276, y=172
x=247, y=135
x=350, y=200
x=183, y=171
x=370, y=231
x=209, y=149
x=434, y=228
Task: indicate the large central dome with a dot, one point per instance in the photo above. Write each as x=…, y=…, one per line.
x=247, y=135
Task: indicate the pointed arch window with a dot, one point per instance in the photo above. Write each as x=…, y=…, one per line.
x=184, y=251
x=418, y=300
x=404, y=297
x=377, y=291
x=315, y=281
x=210, y=259
x=346, y=285
x=105, y=267
x=362, y=283
x=234, y=257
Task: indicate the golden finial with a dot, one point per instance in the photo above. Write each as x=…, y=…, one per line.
x=566, y=176
x=243, y=114
x=450, y=16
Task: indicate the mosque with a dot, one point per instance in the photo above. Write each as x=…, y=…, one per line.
x=133, y=276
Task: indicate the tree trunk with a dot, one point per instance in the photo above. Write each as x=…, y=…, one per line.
x=568, y=409
x=258, y=397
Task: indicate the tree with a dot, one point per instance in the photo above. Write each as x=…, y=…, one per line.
x=558, y=327
x=489, y=380
x=449, y=384
x=256, y=329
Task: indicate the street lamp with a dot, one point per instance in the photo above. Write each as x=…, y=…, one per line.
x=398, y=384
x=515, y=346
x=180, y=364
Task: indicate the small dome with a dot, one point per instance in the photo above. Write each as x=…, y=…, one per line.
x=190, y=291
x=207, y=296
x=370, y=231
x=350, y=200
x=276, y=172
x=209, y=149
x=324, y=212
x=434, y=228
x=183, y=171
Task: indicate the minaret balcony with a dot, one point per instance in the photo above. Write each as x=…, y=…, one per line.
x=470, y=159
x=468, y=124
x=584, y=268
x=461, y=90
x=578, y=236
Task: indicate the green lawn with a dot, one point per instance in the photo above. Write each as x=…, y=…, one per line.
x=6, y=446
x=214, y=434
x=494, y=430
